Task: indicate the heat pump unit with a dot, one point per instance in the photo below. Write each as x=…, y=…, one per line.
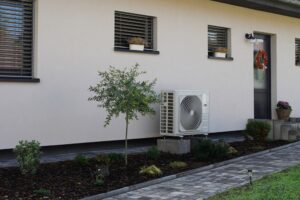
x=184, y=113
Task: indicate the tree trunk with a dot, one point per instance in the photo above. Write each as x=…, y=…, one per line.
x=126, y=145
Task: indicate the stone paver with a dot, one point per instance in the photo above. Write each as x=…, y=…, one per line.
x=207, y=183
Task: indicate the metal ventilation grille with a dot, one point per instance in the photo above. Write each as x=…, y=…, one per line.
x=191, y=112
x=16, y=38
x=167, y=112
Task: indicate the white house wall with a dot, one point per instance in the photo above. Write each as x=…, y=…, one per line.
x=75, y=38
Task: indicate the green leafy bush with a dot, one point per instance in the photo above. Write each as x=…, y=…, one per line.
x=151, y=171
x=232, y=151
x=99, y=182
x=177, y=164
x=207, y=150
x=28, y=156
x=258, y=130
x=108, y=159
x=153, y=153
x=99, y=178
x=42, y=192
x=81, y=160
x=115, y=157
x=103, y=159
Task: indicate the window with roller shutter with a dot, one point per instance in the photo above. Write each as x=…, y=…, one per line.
x=16, y=37
x=218, y=37
x=128, y=25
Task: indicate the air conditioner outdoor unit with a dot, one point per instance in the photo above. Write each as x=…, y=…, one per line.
x=184, y=113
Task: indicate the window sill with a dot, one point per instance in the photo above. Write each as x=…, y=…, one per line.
x=20, y=79
x=133, y=51
x=218, y=58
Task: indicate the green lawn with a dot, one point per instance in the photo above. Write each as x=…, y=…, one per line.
x=280, y=186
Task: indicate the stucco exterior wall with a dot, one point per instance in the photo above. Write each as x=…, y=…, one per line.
x=75, y=38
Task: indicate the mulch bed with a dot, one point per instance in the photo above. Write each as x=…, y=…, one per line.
x=68, y=180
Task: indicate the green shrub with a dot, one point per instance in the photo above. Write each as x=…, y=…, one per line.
x=105, y=162
x=42, y=192
x=81, y=160
x=150, y=171
x=153, y=153
x=99, y=182
x=99, y=178
x=103, y=159
x=232, y=151
x=258, y=130
x=28, y=156
x=115, y=157
x=177, y=164
x=207, y=150
x=108, y=159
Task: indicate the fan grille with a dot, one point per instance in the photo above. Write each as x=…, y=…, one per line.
x=191, y=113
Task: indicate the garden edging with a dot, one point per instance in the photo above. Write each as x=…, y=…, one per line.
x=171, y=177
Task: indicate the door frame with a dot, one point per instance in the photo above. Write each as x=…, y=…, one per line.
x=273, y=74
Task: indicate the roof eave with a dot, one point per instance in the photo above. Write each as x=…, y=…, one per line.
x=276, y=6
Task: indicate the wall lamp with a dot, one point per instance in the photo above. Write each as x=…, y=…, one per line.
x=251, y=38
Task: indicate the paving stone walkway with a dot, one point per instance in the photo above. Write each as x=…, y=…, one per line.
x=204, y=184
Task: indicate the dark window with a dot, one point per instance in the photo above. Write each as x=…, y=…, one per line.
x=218, y=37
x=16, y=21
x=297, y=44
x=128, y=25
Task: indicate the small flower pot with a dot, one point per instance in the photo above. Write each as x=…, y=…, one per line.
x=136, y=47
x=220, y=55
x=283, y=114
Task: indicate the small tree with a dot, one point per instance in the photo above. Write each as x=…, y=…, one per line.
x=119, y=92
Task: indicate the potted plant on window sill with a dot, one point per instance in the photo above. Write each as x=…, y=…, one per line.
x=136, y=44
x=283, y=110
x=221, y=52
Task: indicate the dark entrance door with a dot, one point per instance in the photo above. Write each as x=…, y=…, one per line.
x=262, y=77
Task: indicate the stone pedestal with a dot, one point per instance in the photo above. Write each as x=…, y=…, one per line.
x=293, y=135
x=286, y=129
x=174, y=146
x=277, y=129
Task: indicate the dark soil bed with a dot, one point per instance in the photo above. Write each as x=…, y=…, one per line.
x=67, y=180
